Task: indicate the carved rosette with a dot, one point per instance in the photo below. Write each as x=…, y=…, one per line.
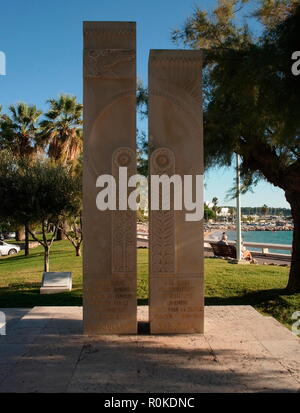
x=123, y=222
x=162, y=223
x=163, y=162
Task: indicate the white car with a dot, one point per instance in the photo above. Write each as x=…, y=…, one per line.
x=8, y=249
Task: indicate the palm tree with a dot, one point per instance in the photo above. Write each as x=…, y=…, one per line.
x=215, y=201
x=19, y=130
x=18, y=134
x=264, y=209
x=61, y=135
x=215, y=207
x=62, y=130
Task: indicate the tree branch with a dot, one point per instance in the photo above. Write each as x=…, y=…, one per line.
x=35, y=238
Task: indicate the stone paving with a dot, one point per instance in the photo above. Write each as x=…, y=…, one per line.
x=241, y=351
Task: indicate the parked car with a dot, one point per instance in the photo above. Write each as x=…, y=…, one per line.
x=9, y=249
x=11, y=235
x=8, y=235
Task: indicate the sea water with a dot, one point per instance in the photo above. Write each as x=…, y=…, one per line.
x=267, y=237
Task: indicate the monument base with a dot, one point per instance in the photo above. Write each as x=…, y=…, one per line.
x=112, y=307
x=176, y=304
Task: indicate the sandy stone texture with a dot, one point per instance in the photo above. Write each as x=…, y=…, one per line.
x=241, y=351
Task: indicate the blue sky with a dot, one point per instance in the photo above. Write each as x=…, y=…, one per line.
x=42, y=41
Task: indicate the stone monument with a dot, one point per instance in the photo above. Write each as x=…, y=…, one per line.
x=109, y=303
x=176, y=144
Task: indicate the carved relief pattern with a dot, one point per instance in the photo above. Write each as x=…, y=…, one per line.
x=108, y=63
x=123, y=222
x=108, y=35
x=179, y=81
x=162, y=223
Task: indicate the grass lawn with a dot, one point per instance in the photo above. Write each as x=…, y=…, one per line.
x=226, y=284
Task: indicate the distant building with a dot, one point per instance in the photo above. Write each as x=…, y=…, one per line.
x=224, y=212
x=209, y=204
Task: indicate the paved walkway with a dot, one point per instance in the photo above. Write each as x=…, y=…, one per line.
x=241, y=351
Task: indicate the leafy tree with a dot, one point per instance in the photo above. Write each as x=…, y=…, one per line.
x=73, y=232
x=209, y=213
x=38, y=194
x=18, y=134
x=251, y=98
x=71, y=224
x=142, y=99
x=142, y=141
x=142, y=154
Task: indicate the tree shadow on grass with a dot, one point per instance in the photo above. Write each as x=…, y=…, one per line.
x=37, y=254
x=250, y=298
x=27, y=295
x=19, y=257
x=253, y=298
x=26, y=285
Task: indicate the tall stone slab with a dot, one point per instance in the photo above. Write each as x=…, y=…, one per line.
x=176, y=147
x=109, y=302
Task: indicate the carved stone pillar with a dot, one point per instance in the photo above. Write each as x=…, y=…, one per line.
x=176, y=144
x=109, y=302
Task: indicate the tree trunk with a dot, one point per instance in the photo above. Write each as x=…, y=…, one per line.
x=78, y=250
x=20, y=234
x=294, y=278
x=60, y=233
x=26, y=241
x=46, y=260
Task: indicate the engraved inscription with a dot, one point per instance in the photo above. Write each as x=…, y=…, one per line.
x=178, y=304
x=113, y=299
